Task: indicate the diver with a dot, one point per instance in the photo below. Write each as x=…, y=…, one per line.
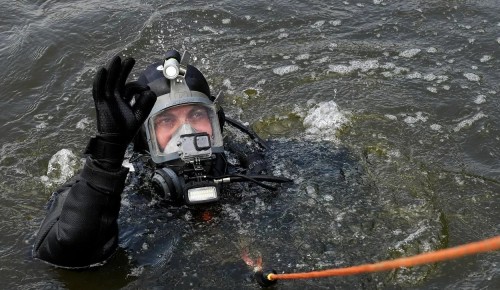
x=170, y=117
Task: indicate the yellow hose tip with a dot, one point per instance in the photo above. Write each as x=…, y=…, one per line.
x=265, y=280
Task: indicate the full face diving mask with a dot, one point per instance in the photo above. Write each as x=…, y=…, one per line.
x=183, y=135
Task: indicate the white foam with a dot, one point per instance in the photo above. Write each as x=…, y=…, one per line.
x=335, y=22
x=432, y=89
x=41, y=125
x=472, y=77
x=62, y=166
x=441, y=78
x=388, y=65
x=436, y=127
x=283, y=35
x=468, y=122
x=485, y=58
x=418, y=117
x=226, y=21
x=412, y=236
x=363, y=65
x=318, y=24
x=282, y=70
x=366, y=65
x=391, y=117
x=480, y=99
x=82, y=124
x=209, y=29
x=431, y=50
x=321, y=60
x=251, y=66
x=430, y=77
x=414, y=75
x=376, y=2
x=341, y=69
x=303, y=56
x=227, y=84
x=410, y=52
x=323, y=120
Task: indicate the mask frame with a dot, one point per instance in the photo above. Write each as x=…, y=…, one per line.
x=179, y=94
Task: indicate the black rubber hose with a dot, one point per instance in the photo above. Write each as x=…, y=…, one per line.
x=270, y=178
x=246, y=130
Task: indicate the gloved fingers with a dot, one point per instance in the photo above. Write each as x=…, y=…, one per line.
x=133, y=88
x=126, y=68
x=143, y=105
x=114, y=69
x=99, y=85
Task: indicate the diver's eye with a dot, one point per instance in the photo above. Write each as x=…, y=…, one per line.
x=198, y=114
x=165, y=121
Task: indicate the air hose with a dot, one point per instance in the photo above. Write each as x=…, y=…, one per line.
x=256, y=179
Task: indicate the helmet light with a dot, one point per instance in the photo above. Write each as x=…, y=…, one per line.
x=171, y=68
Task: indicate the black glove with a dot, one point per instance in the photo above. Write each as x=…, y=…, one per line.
x=117, y=120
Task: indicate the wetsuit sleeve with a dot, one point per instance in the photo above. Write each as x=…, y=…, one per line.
x=80, y=229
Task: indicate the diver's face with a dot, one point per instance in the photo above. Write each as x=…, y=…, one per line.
x=170, y=120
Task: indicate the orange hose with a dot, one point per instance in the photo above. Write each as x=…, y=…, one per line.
x=491, y=244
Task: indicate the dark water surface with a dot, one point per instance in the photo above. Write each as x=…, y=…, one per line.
x=385, y=113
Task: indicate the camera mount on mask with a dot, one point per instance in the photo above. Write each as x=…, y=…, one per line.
x=184, y=135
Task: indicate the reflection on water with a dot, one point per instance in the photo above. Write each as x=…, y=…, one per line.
x=384, y=113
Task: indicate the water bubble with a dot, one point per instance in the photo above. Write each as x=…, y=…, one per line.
x=226, y=21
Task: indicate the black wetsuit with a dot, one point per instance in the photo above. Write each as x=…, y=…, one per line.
x=81, y=227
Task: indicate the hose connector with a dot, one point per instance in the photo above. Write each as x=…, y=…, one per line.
x=263, y=279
